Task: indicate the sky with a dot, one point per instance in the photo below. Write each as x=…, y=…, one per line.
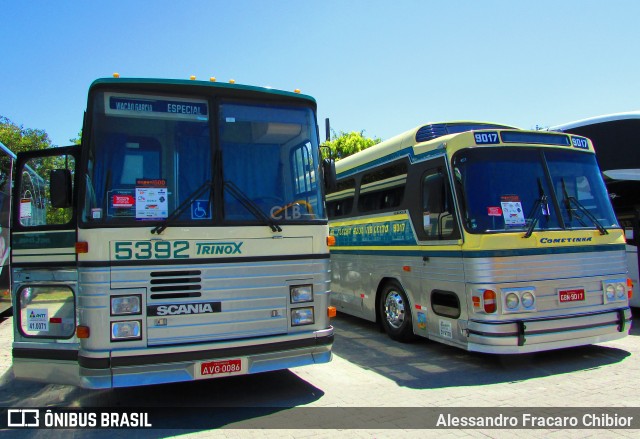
x=381, y=67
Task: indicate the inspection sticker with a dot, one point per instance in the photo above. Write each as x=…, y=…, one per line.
x=38, y=319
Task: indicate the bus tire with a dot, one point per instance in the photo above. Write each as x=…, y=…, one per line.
x=395, y=312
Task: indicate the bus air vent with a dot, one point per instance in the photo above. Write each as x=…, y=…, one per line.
x=175, y=284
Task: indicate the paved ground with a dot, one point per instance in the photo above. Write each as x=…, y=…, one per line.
x=369, y=370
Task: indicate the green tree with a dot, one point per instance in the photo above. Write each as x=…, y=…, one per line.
x=20, y=139
x=346, y=144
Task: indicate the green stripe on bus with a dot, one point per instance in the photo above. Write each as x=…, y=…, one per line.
x=42, y=240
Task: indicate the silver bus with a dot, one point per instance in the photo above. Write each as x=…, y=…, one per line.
x=480, y=236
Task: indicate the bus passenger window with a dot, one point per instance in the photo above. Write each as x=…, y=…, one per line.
x=384, y=189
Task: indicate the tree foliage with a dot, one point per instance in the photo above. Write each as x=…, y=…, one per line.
x=345, y=144
x=18, y=138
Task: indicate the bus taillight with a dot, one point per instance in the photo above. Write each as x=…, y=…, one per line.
x=630, y=288
x=489, y=299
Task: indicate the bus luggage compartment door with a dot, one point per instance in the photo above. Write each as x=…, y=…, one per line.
x=45, y=346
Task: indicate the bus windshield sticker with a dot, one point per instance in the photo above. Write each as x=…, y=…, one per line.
x=512, y=210
x=200, y=210
x=486, y=138
x=160, y=107
x=494, y=211
x=151, y=201
x=121, y=203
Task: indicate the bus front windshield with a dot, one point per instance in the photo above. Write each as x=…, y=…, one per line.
x=516, y=189
x=160, y=158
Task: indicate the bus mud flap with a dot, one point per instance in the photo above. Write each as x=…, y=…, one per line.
x=621, y=320
x=521, y=328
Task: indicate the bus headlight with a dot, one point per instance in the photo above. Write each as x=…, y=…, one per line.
x=610, y=291
x=127, y=330
x=615, y=290
x=512, y=301
x=518, y=300
x=302, y=316
x=126, y=305
x=301, y=293
x=528, y=299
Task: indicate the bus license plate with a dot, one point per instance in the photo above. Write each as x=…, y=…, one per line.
x=222, y=367
x=573, y=295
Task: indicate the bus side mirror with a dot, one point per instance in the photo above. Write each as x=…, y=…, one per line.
x=329, y=171
x=60, y=188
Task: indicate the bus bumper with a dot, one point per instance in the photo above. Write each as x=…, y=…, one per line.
x=535, y=335
x=163, y=365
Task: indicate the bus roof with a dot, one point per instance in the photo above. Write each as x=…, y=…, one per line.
x=192, y=83
x=399, y=145
x=596, y=120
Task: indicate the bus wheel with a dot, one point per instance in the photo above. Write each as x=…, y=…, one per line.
x=395, y=312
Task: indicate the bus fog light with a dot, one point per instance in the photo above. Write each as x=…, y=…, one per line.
x=301, y=293
x=512, y=301
x=620, y=291
x=302, y=316
x=528, y=300
x=126, y=305
x=128, y=330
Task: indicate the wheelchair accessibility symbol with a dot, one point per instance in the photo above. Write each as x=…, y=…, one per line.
x=200, y=210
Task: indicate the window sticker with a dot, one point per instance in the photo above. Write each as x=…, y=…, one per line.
x=494, y=211
x=121, y=203
x=25, y=208
x=512, y=210
x=152, y=200
x=38, y=319
x=200, y=210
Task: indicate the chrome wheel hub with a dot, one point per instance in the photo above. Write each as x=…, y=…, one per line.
x=394, y=309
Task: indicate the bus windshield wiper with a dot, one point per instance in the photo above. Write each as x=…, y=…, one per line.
x=540, y=206
x=158, y=229
x=568, y=200
x=250, y=205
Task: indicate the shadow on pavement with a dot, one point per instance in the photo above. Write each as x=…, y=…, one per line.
x=424, y=364
x=182, y=406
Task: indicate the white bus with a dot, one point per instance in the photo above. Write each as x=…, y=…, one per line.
x=615, y=137
x=184, y=239
x=480, y=236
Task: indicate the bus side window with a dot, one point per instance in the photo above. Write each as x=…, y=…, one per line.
x=437, y=214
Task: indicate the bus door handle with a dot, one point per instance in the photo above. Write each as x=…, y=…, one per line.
x=425, y=259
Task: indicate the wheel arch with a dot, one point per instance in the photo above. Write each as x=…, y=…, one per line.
x=381, y=284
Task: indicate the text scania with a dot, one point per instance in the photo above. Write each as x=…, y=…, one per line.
x=218, y=248
x=564, y=240
x=187, y=308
